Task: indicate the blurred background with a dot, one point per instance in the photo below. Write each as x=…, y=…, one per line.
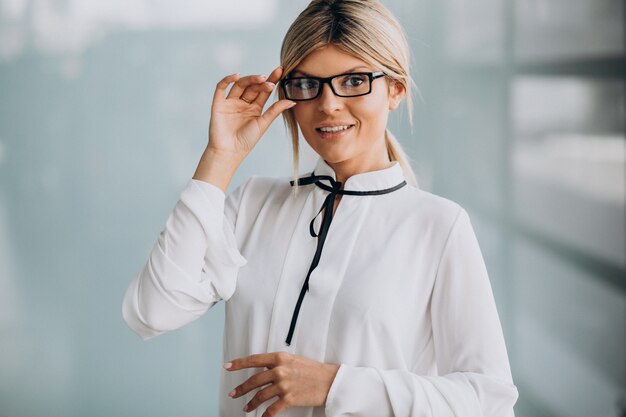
x=104, y=108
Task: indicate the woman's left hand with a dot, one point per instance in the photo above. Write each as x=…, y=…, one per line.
x=295, y=380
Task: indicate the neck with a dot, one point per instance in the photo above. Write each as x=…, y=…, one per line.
x=346, y=169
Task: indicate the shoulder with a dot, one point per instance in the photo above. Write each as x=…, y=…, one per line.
x=258, y=190
x=260, y=186
x=428, y=208
x=439, y=220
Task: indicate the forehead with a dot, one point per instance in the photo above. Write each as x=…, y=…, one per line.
x=330, y=60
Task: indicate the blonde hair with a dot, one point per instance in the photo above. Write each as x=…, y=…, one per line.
x=364, y=29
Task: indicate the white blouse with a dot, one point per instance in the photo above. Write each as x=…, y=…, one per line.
x=401, y=297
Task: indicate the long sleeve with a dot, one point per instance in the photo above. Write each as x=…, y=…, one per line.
x=193, y=264
x=474, y=377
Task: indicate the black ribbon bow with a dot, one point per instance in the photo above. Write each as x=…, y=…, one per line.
x=327, y=208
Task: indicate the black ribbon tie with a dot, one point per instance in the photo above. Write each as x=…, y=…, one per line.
x=327, y=207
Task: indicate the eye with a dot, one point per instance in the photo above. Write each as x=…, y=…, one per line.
x=354, y=80
x=304, y=83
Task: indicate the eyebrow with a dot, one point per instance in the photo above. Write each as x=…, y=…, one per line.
x=345, y=72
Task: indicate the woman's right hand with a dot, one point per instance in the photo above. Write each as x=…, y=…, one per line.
x=237, y=123
x=237, y=119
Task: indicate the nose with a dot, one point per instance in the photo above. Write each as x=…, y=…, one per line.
x=328, y=102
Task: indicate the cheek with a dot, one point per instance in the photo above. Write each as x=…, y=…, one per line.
x=372, y=112
x=302, y=116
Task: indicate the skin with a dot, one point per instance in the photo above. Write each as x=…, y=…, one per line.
x=237, y=124
x=363, y=148
x=296, y=381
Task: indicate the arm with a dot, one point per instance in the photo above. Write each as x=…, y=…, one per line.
x=193, y=264
x=195, y=261
x=474, y=375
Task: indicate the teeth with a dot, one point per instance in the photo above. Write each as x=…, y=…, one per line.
x=334, y=129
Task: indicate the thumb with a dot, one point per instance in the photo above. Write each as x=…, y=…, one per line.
x=273, y=111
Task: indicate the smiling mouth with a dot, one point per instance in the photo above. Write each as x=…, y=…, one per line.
x=333, y=129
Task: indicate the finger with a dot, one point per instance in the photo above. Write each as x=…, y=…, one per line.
x=259, y=360
x=273, y=111
x=262, y=396
x=244, y=83
x=255, y=381
x=222, y=85
x=273, y=79
x=275, y=408
x=251, y=94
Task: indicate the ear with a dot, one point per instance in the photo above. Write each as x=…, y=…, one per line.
x=396, y=94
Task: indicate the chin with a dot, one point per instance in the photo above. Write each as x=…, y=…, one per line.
x=333, y=157
x=333, y=154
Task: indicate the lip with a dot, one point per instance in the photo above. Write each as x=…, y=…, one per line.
x=333, y=124
x=334, y=135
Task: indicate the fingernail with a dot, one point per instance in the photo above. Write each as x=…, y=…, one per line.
x=246, y=408
x=232, y=393
x=293, y=103
x=228, y=365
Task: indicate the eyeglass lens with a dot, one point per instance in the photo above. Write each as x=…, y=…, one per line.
x=346, y=85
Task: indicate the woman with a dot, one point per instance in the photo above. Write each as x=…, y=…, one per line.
x=389, y=311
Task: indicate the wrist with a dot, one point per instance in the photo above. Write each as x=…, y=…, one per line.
x=223, y=156
x=217, y=167
x=331, y=370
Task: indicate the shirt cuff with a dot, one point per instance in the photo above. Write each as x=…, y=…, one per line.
x=206, y=202
x=357, y=391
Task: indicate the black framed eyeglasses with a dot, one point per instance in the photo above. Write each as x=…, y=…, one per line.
x=351, y=84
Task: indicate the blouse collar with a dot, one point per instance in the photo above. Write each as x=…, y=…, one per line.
x=366, y=181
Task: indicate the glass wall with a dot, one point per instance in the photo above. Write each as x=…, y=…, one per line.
x=520, y=118
x=530, y=137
